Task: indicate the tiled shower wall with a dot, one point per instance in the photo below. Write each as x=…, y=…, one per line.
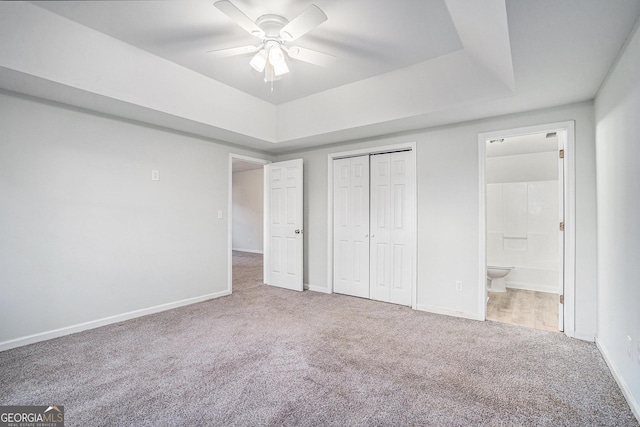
x=522, y=223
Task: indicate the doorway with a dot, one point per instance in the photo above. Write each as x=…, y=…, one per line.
x=527, y=222
x=246, y=222
x=372, y=223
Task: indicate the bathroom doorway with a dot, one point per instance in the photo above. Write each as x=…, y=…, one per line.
x=525, y=204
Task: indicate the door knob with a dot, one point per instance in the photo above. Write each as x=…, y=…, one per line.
x=298, y=231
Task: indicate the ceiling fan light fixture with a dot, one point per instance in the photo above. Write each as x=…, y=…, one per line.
x=259, y=61
x=276, y=57
x=280, y=68
x=271, y=55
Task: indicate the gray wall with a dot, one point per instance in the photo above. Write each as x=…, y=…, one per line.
x=85, y=234
x=617, y=109
x=448, y=204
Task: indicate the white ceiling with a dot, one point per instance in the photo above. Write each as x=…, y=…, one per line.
x=401, y=65
x=369, y=37
x=238, y=165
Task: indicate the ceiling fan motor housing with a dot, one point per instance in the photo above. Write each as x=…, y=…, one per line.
x=271, y=25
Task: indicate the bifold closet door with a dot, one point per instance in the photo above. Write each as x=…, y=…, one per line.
x=392, y=210
x=351, y=226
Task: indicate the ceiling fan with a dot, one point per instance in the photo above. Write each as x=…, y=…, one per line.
x=274, y=32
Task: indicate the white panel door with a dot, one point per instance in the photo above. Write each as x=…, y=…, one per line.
x=392, y=227
x=351, y=226
x=283, y=209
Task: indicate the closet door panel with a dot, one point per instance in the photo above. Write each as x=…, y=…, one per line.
x=392, y=207
x=380, y=227
x=359, y=236
x=341, y=181
x=351, y=226
x=402, y=183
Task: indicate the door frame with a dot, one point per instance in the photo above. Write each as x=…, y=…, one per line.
x=265, y=247
x=414, y=246
x=569, y=214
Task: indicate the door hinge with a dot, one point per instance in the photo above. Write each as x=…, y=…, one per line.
x=562, y=226
x=562, y=299
x=562, y=154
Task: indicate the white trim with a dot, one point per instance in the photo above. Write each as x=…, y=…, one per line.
x=482, y=223
x=562, y=136
x=68, y=330
x=583, y=336
x=251, y=251
x=447, y=312
x=230, y=213
x=414, y=273
x=363, y=151
x=626, y=391
x=266, y=259
x=525, y=286
x=569, y=218
x=330, y=223
x=322, y=289
x=374, y=150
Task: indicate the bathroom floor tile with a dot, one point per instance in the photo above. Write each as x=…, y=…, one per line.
x=537, y=310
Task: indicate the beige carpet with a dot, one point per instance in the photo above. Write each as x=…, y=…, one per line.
x=267, y=356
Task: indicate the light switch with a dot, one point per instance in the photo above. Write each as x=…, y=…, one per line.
x=219, y=214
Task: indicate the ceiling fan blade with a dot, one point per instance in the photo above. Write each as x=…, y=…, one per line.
x=234, y=51
x=310, y=18
x=311, y=56
x=239, y=18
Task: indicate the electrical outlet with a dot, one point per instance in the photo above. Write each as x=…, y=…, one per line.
x=155, y=175
x=629, y=342
x=459, y=285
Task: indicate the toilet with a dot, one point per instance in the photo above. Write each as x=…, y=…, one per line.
x=496, y=276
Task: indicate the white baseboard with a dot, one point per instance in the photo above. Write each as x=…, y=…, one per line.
x=448, y=312
x=584, y=336
x=318, y=289
x=633, y=404
x=532, y=287
x=68, y=330
x=251, y=251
